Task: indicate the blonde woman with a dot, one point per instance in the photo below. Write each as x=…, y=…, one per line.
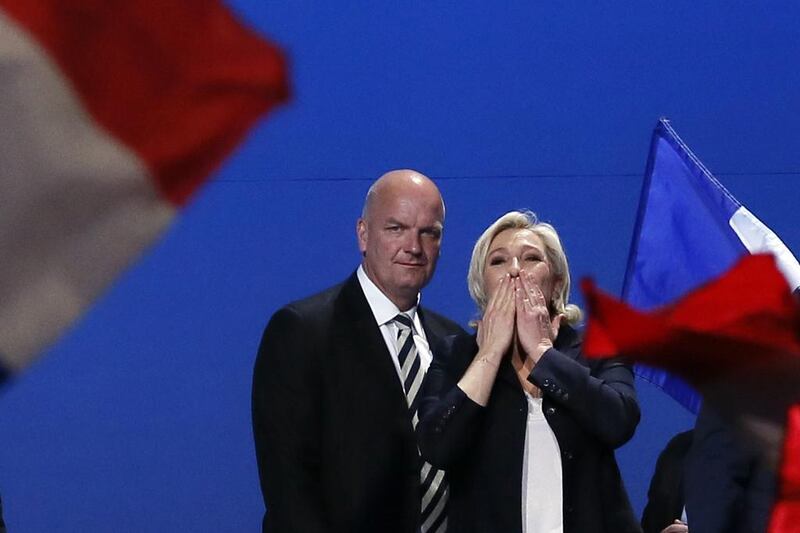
x=524, y=425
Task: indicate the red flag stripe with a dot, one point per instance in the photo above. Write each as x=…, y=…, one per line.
x=750, y=305
x=786, y=513
x=135, y=65
x=113, y=113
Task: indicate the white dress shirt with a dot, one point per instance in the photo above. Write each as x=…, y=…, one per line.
x=541, y=474
x=384, y=311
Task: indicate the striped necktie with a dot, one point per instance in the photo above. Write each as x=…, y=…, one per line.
x=434, y=484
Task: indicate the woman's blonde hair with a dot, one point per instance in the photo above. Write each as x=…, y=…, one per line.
x=554, y=252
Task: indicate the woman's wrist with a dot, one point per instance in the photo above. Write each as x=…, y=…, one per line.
x=486, y=361
x=489, y=358
x=539, y=352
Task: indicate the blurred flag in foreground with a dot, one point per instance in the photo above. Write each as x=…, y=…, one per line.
x=689, y=230
x=786, y=513
x=737, y=340
x=112, y=113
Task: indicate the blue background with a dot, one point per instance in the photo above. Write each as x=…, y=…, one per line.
x=139, y=419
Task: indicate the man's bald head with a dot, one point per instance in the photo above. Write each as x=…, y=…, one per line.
x=396, y=182
x=399, y=234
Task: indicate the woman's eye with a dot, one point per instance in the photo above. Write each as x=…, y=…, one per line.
x=497, y=261
x=532, y=258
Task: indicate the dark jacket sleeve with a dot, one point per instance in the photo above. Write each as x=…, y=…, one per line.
x=601, y=398
x=448, y=418
x=665, y=494
x=727, y=488
x=286, y=422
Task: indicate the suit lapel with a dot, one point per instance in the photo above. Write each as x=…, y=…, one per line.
x=359, y=335
x=433, y=330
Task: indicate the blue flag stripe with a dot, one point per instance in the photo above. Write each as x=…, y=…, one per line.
x=682, y=235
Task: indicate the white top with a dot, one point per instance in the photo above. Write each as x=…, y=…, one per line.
x=542, y=499
x=384, y=311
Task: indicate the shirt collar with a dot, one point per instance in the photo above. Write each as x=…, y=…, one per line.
x=383, y=309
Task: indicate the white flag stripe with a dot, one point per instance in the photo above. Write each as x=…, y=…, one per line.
x=77, y=206
x=758, y=238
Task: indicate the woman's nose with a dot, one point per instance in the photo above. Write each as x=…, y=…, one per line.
x=513, y=268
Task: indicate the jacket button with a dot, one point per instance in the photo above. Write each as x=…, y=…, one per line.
x=565, y=396
x=551, y=410
x=546, y=383
x=568, y=456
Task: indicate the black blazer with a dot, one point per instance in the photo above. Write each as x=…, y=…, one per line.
x=335, y=446
x=591, y=407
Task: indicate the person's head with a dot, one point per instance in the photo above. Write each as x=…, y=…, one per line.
x=517, y=242
x=399, y=234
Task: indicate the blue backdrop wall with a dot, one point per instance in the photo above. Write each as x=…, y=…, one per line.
x=138, y=420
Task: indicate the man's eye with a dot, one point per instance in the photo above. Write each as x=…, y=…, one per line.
x=432, y=233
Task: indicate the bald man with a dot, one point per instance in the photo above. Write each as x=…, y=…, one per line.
x=336, y=376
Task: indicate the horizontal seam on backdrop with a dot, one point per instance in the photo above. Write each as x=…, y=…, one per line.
x=505, y=176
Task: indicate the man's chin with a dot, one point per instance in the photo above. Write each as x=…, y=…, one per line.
x=413, y=284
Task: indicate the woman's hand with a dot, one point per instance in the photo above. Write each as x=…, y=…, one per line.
x=495, y=333
x=536, y=330
x=496, y=328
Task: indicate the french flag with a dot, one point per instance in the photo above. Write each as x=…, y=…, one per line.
x=689, y=230
x=700, y=313
x=113, y=113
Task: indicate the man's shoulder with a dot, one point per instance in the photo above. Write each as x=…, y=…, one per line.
x=318, y=302
x=302, y=320
x=341, y=299
x=443, y=325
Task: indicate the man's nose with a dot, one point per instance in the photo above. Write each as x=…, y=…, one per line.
x=413, y=243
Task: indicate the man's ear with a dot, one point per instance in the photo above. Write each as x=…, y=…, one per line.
x=361, y=233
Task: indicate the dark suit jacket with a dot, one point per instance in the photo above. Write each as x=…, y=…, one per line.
x=591, y=407
x=728, y=490
x=665, y=497
x=335, y=446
